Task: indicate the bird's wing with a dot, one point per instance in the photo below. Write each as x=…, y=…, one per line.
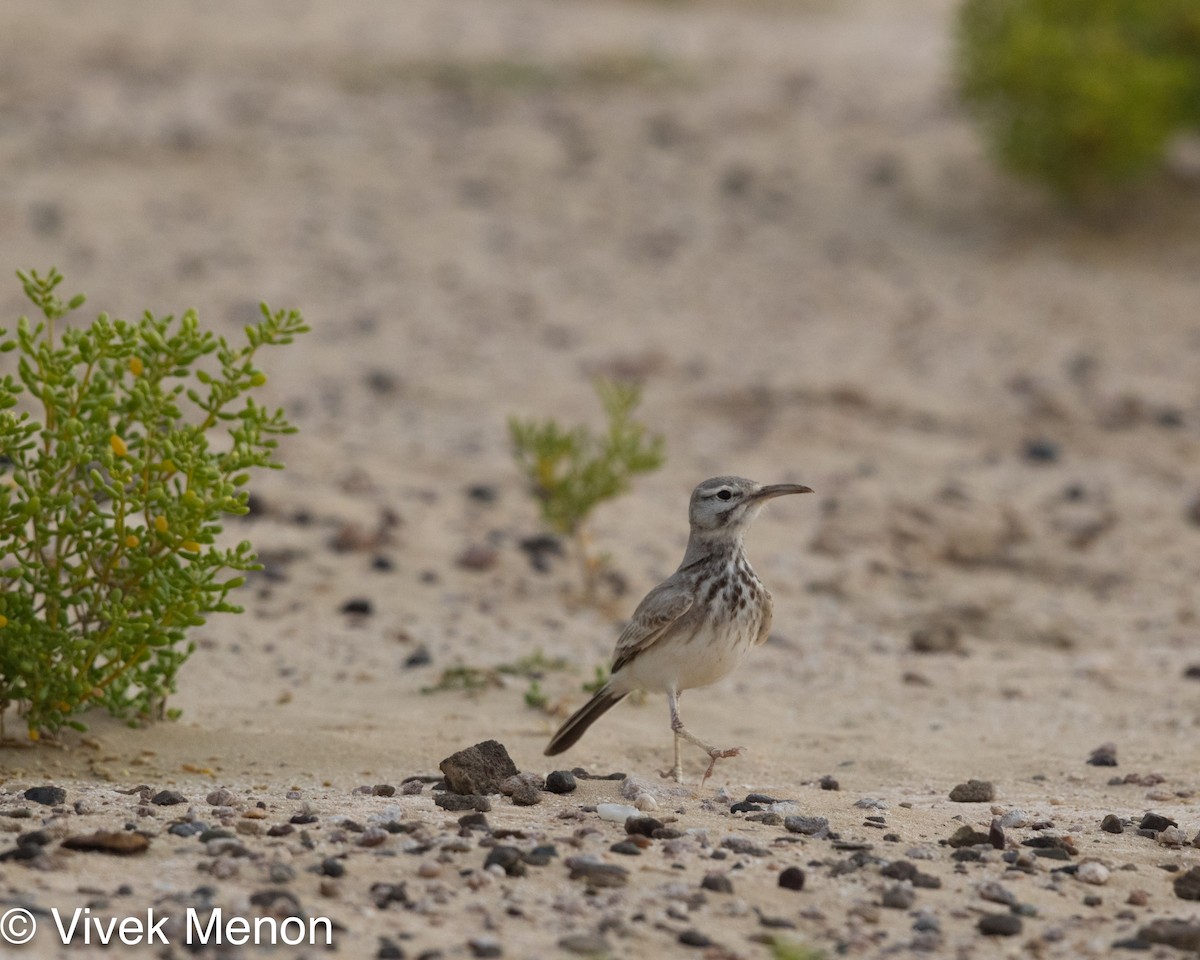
x=768, y=614
x=653, y=617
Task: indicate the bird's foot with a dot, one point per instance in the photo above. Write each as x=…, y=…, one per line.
x=675, y=773
x=715, y=754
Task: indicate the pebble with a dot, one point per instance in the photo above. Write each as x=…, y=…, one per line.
x=1180, y=934
x=456, y=802
x=694, y=938
x=595, y=873
x=646, y=803
x=809, y=826
x=626, y=847
x=221, y=798
x=973, y=791
x=561, y=781
x=359, y=606
x=410, y=788
x=168, y=798
x=1014, y=818
x=585, y=944
x=478, y=769
x=899, y=896
x=828, y=783
x=1172, y=837
x=485, y=946
x=508, y=859
x=1156, y=822
x=999, y=925
x=995, y=892
x=966, y=836
x=1187, y=887
x=122, y=843
x=1112, y=824
x=717, y=883
x=477, y=557
x=372, y=837
x=526, y=795
x=187, y=829
x=1092, y=872
x=1104, y=755
x=792, y=878
x=47, y=796
x=616, y=812
x=646, y=826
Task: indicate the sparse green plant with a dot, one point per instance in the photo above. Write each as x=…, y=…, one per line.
x=136, y=439
x=535, y=698
x=571, y=471
x=599, y=679
x=785, y=949
x=473, y=680
x=1081, y=94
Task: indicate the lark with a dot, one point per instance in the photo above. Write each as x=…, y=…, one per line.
x=697, y=626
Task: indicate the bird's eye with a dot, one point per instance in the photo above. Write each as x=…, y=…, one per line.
x=724, y=495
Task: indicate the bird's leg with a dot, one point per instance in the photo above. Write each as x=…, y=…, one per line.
x=680, y=731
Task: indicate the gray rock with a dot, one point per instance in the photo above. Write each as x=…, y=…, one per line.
x=479, y=769
x=1180, y=934
x=973, y=791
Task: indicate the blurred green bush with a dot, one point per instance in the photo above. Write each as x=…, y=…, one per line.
x=1081, y=94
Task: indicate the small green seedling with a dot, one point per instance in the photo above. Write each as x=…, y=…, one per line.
x=122, y=447
x=570, y=471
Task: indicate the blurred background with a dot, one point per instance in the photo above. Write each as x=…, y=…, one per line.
x=779, y=216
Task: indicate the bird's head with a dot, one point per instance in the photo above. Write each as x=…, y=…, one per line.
x=726, y=505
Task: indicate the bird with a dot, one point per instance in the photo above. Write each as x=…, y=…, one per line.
x=697, y=626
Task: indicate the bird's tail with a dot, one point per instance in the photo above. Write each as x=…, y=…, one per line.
x=576, y=725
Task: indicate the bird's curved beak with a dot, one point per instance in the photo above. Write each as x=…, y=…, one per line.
x=779, y=490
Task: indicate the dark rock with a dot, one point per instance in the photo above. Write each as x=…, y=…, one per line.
x=744, y=807
x=646, y=826
x=478, y=769
x=561, y=781
x=332, y=867
x=809, y=826
x=187, y=829
x=581, y=774
x=597, y=874
x=937, y=637
x=966, y=855
x=485, y=947
x=383, y=790
x=281, y=830
x=996, y=834
x=121, y=843
x=1192, y=672
x=1040, y=451
x=899, y=870
x=1187, y=887
x=383, y=894
x=457, y=802
x=966, y=836
x=973, y=791
x=382, y=563
x=475, y=821
x=420, y=657
x=694, y=938
x=626, y=847
x=360, y=606
x=221, y=797
x=168, y=798
x=483, y=492
x=303, y=819
x=541, y=550
x=792, y=878
x=1180, y=934
x=541, y=855
x=526, y=795
x=828, y=783
x=48, y=796
x=388, y=950
x=926, y=881
x=509, y=858
x=999, y=925
x=717, y=883
x=1112, y=824
x=1104, y=755
x=760, y=798
x=1156, y=822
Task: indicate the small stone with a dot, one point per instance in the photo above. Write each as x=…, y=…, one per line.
x=1138, y=898
x=187, y=829
x=586, y=945
x=828, y=783
x=47, y=796
x=597, y=874
x=1187, y=887
x=809, y=826
x=541, y=550
x=1192, y=671
x=1092, y=872
x=221, y=798
x=1156, y=822
x=561, y=781
x=428, y=870
x=1014, y=818
x=373, y=837
x=937, y=637
x=121, y=843
x=792, y=878
x=973, y=791
x=616, y=812
x=1104, y=755
x=420, y=657
x=1040, y=451
x=383, y=790
x=999, y=925
x=359, y=606
x=899, y=896
x=479, y=769
x=1112, y=824
x=281, y=873
x=168, y=798
x=694, y=938
x=646, y=826
x=526, y=795
x=508, y=858
x=995, y=892
x=717, y=883
x=966, y=836
x=996, y=834
x=411, y=788
x=477, y=558
x=485, y=946
x=388, y=950
x=475, y=821
x=646, y=803
x=1180, y=934
x=626, y=847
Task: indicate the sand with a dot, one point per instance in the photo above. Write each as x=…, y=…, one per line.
x=775, y=217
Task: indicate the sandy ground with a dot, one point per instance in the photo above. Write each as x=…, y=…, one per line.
x=774, y=216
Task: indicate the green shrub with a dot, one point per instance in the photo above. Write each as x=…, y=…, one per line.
x=1081, y=94
x=138, y=439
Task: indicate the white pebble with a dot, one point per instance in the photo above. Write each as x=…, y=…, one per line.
x=645, y=803
x=871, y=803
x=616, y=812
x=1014, y=818
x=1092, y=872
x=1172, y=837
